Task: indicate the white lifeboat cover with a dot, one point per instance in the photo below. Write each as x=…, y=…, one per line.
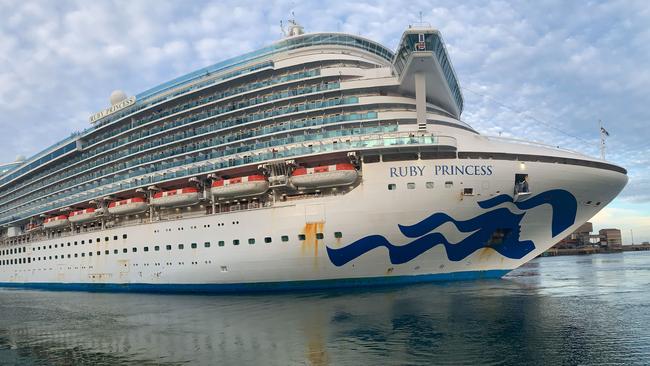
x=56, y=221
x=83, y=215
x=176, y=197
x=325, y=176
x=127, y=206
x=241, y=186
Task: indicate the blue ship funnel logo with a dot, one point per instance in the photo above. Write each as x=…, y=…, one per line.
x=482, y=227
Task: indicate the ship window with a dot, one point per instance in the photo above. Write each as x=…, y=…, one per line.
x=193, y=245
x=99, y=252
x=69, y=255
x=449, y=184
x=268, y=240
x=251, y=241
x=125, y=250
x=82, y=242
x=75, y=243
x=106, y=252
x=429, y=185
x=156, y=248
x=100, y=239
x=75, y=255
x=181, y=246
x=468, y=191
x=392, y=187
x=68, y=243
x=114, y=237
x=284, y=238
x=368, y=159
x=82, y=254
x=410, y=185
x=301, y=236
x=168, y=247
x=89, y=241
x=90, y=254
x=221, y=243
x=123, y=236
x=56, y=257
x=146, y=249
x=206, y=244
x=55, y=245
x=235, y=242
x=115, y=251
x=338, y=235
x=319, y=236
x=400, y=156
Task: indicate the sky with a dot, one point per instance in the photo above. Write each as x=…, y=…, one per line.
x=546, y=71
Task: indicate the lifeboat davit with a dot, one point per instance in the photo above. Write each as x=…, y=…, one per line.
x=83, y=215
x=128, y=206
x=56, y=222
x=251, y=185
x=32, y=227
x=177, y=197
x=324, y=176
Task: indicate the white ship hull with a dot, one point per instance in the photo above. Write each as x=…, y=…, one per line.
x=364, y=217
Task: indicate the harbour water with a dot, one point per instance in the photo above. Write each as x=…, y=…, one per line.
x=563, y=310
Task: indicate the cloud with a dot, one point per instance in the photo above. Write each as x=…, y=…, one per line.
x=632, y=220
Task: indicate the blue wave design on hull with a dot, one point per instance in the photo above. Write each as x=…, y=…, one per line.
x=564, y=207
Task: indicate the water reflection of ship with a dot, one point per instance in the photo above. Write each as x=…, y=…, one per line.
x=417, y=324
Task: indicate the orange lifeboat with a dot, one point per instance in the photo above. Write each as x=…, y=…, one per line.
x=56, y=222
x=83, y=215
x=128, y=206
x=176, y=197
x=324, y=176
x=251, y=185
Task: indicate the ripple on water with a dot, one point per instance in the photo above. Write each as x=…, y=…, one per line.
x=561, y=310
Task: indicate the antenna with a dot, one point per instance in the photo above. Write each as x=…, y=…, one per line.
x=603, y=135
x=284, y=34
x=420, y=17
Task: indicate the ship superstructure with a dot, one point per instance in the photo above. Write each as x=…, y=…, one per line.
x=324, y=159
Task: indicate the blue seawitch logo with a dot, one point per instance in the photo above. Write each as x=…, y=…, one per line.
x=483, y=226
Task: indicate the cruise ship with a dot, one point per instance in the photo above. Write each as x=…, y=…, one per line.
x=322, y=160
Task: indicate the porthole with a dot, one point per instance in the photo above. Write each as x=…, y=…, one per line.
x=221, y=243
x=146, y=249
x=301, y=237
x=193, y=245
x=251, y=241
x=168, y=247
x=125, y=250
x=206, y=244
x=156, y=248
x=235, y=242
x=392, y=187
x=268, y=240
x=319, y=236
x=338, y=235
x=181, y=246
x=284, y=238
